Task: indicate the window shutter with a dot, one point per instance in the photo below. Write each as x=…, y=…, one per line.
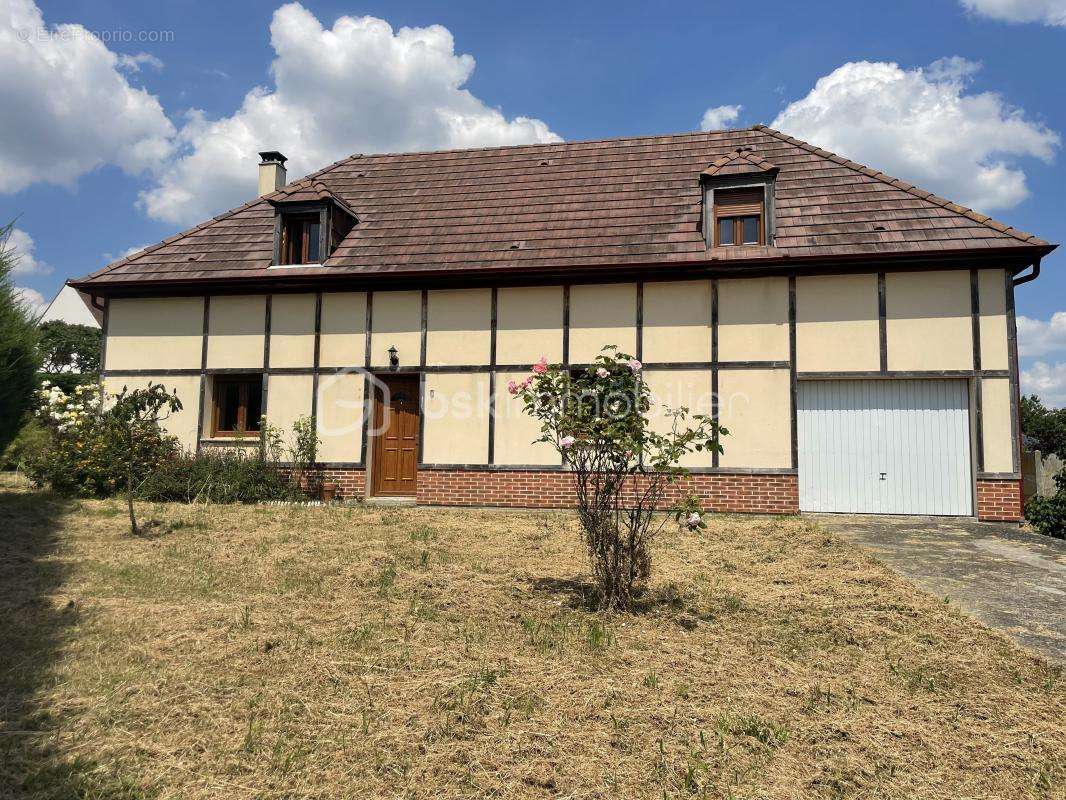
x=737, y=202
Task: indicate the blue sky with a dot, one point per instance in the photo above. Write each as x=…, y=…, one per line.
x=116, y=159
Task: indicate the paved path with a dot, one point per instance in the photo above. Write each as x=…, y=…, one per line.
x=1009, y=579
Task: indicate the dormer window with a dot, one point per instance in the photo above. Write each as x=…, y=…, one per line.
x=738, y=217
x=310, y=222
x=301, y=236
x=738, y=200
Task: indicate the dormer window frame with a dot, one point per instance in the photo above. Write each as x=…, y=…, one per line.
x=328, y=214
x=765, y=182
x=286, y=212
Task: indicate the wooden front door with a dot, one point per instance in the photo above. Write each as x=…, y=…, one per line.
x=396, y=444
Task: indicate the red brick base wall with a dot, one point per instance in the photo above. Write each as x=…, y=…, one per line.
x=351, y=483
x=744, y=493
x=999, y=500
x=762, y=494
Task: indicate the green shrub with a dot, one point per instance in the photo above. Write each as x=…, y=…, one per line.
x=18, y=349
x=218, y=476
x=79, y=449
x=29, y=446
x=1048, y=514
x=85, y=456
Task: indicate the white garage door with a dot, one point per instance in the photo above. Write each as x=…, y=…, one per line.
x=885, y=447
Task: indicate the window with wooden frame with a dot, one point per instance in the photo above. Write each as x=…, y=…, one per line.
x=301, y=239
x=237, y=404
x=739, y=217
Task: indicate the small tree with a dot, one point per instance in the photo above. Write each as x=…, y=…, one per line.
x=1045, y=426
x=69, y=354
x=597, y=418
x=134, y=422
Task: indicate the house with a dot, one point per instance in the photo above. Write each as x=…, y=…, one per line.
x=70, y=306
x=855, y=333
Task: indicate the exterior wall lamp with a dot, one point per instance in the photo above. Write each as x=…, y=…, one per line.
x=394, y=357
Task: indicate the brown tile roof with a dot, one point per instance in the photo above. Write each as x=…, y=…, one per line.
x=616, y=203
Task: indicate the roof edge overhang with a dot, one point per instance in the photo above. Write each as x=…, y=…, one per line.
x=1015, y=259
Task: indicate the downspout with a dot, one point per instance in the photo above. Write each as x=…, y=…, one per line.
x=1016, y=370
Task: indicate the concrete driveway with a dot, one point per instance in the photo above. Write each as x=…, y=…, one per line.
x=1009, y=579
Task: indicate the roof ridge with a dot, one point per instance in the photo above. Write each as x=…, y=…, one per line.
x=637, y=138
x=917, y=191
x=286, y=189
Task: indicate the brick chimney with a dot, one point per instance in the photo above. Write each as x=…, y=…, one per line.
x=271, y=171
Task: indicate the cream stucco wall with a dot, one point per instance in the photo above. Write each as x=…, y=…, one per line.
x=753, y=319
x=455, y=418
x=458, y=327
x=755, y=405
x=996, y=426
x=529, y=324
x=677, y=321
x=155, y=333
x=992, y=293
x=342, y=342
x=396, y=322
x=340, y=416
x=181, y=424
x=928, y=320
x=292, y=330
x=929, y=328
x=288, y=399
x=837, y=323
x=672, y=389
x=602, y=314
x=516, y=430
x=236, y=326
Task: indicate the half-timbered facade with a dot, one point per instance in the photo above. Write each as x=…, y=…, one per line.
x=854, y=333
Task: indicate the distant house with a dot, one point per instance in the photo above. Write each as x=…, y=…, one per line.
x=69, y=306
x=856, y=334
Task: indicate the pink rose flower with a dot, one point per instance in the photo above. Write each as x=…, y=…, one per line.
x=567, y=441
x=526, y=382
x=603, y=373
x=512, y=387
x=634, y=365
x=541, y=366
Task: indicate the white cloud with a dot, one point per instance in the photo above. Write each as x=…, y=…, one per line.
x=133, y=62
x=719, y=117
x=1049, y=12
x=1037, y=337
x=21, y=246
x=75, y=111
x=922, y=126
x=359, y=86
x=32, y=299
x=1046, y=381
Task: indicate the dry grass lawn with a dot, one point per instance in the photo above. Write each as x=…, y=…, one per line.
x=279, y=652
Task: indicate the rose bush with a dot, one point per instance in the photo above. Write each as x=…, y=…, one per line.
x=597, y=418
